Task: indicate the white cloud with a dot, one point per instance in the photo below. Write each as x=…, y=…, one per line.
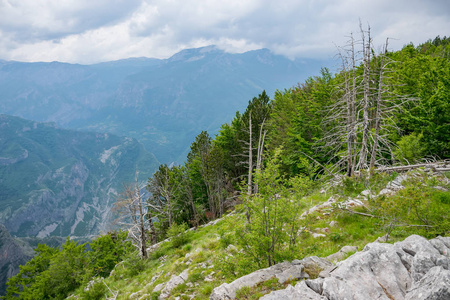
x=90, y=31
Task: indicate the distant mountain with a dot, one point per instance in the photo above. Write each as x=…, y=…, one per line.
x=162, y=103
x=63, y=182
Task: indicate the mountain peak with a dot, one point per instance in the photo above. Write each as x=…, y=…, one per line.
x=194, y=53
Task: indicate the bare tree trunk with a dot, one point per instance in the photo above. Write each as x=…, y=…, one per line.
x=153, y=236
x=366, y=99
x=260, y=150
x=378, y=108
x=250, y=158
x=141, y=221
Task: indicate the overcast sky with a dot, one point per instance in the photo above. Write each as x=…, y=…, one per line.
x=90, y=31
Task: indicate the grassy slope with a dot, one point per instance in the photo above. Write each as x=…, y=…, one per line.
x=212, y=261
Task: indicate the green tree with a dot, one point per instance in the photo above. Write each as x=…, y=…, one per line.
x=107, y=251
x=20, y=285
x=269, y=234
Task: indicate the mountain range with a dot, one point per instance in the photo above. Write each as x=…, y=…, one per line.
x=163, y=103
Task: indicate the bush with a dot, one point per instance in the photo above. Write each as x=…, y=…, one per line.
x=178, y=235
x=95, y=291
x=420, y=206
x=410, y=148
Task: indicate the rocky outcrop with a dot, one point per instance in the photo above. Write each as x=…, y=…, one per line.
x=283, y=272
x=11, y=256
x=412, y=269
x=174, y=281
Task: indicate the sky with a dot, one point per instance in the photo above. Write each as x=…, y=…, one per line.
x=91, y=31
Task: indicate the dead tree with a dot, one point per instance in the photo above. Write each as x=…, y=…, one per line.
x=134, y=216
x=365, y=106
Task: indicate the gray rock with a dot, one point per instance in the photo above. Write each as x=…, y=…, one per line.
x=412, y=269
x=435, y=285
x=291, y=273
x=283, y=271
x=158, y=287
x=315, y=285
x=326, y=272
x=172, y=283
x=316, y=263
x=318, y=235
x=341, y=254
x=301, y=291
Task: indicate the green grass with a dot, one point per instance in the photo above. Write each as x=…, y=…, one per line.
x=207, y=255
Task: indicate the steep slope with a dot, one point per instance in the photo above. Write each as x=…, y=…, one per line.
x=11, y=256
x=62, y=182
x=162, y=103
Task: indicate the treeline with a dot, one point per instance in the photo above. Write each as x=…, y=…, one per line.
x=382, y=108
x=56, y=272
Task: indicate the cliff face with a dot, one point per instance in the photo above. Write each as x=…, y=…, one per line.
x=11, y=256
x=62, y=182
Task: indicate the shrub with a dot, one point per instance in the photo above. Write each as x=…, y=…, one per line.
x=95, y=291
x=178, y=235
x=410, y=148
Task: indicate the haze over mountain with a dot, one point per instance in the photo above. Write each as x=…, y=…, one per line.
x=63, y=182
x=164, y=103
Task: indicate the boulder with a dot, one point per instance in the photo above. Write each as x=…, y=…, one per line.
x=412, y=269
x=172, y=283
x=283, y=271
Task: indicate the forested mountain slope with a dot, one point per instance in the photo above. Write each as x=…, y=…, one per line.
x=63, y=182
x=162, y=103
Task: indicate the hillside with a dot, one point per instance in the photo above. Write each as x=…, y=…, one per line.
x=330, y=223
x=161, y=103
x=63, y=182
x=336, y=221
x=288, y=188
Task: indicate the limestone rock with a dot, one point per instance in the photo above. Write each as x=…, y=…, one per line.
x=301, y=291
x=172, y=283
x=283, y=271
x=341, y=254
x=412, y=269
x=434, y=285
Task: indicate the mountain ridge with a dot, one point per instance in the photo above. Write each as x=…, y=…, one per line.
x=163, y=103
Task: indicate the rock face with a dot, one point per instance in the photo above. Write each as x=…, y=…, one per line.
x=412, y=269
x=283, y=271
x=11, y=256
x=57, y=182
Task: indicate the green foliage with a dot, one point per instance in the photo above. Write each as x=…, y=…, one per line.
x=21, y=284
x=54, y=273
x=418, y=205
x=410, y=148
x=178, y=235
x=270, y=234
x=94, y=291
x=107, y=251
x=133, y=264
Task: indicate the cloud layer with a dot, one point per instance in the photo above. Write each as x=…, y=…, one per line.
x=82, y=31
